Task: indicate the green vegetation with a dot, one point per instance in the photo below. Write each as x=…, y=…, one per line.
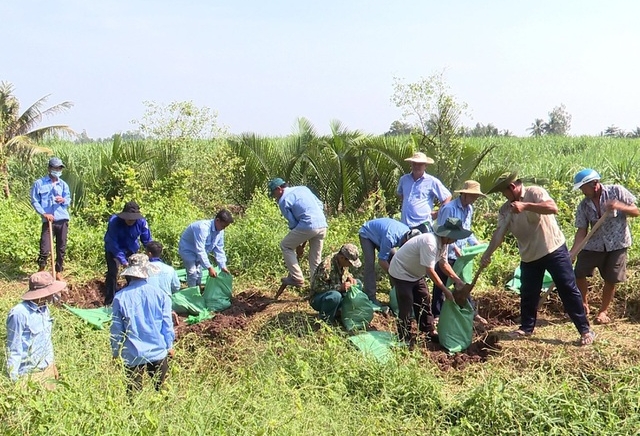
x=285, y=374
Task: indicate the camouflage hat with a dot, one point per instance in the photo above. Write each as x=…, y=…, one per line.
x=350, y=251
x=140, y=267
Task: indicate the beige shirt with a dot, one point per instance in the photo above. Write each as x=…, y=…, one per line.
x=537, y=234
x=411, y=261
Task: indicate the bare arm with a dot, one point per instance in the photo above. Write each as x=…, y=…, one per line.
x=547, y=207
x=431, y=273
x=384, y=265
x=628, y=209
x=580, y=235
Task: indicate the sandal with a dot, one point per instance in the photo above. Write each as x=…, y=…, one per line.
x=602, y=318
x=588, y=338
x=519, y=334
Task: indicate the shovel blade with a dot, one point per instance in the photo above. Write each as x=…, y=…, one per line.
x=460, y=296
x=280, y=290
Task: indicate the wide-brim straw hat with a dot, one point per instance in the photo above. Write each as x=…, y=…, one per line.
x=503, y=182
x=471, y=187
x=419, y=157
x=452, y=229
x=140, y=267
x=42, y=284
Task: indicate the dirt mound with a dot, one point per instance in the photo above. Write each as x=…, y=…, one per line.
x=479, y=351
x=227, y=323
x=86, y=296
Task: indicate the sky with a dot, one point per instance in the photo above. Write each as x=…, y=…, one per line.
x=263, y=64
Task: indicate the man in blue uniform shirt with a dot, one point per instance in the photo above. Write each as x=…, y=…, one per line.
x=166, y=278
x=382, y=234
x=50, y=197
x=304, y=213
x=121, y=241
x=198, y=240
x=29, y=324
x=141, y=326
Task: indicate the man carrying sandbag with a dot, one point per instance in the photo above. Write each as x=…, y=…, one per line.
x=332, y=279
x=414, y=259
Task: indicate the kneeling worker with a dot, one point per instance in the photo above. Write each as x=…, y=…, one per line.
x=332, y=279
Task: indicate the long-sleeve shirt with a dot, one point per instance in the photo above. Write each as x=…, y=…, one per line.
x=141, y=324
x=43, y=198
x=302, y=209
x=200, y=238
x=29, y=346
x=455, y=209
x=418, y=197
x=121, y=240
x=329, y=276
x=166, y=279
x=385, y=233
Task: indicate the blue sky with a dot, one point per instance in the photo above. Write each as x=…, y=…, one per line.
x=262, y=64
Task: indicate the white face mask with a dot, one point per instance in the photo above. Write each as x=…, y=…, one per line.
x=56, y=174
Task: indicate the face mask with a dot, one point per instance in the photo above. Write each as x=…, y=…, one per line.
x=56, y=174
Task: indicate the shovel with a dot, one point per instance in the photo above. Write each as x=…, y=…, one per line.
x=299, y=254
x=579, y=247
x=53, y=261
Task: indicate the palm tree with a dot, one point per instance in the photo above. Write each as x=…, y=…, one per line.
x=538, y=128
x=18, y=133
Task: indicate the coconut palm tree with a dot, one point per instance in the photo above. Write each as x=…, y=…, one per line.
x=19, y=134
x=538, y=128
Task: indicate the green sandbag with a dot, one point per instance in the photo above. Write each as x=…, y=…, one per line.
x=376, y=344
x=202, y=316
x=94, y=317
x=217, y=291
x=455, y=327
x=182, y=275
x=356, y=309
x=463, y=267
x=515, y=283
x=393, y=301
x=188, y=302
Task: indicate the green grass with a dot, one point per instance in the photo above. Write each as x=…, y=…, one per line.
x=284, y=375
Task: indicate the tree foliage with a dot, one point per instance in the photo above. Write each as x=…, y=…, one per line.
x=19, y=132
x=558, y=124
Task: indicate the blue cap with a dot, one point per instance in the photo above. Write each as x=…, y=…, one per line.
x=585, y=176
x=275, y=183
x=55, y=162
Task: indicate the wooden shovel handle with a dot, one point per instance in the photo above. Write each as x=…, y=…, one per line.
x=52, y=251
x=595, y=227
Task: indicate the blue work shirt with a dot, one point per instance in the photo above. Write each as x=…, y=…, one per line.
x=29, y=346
x=121, y=240
x=43, y=198
x=200, y=238
x=166, y=279
x=418, y=197
x=302, y=209
x=141, y=324
x=455, y=209
x=385, y=233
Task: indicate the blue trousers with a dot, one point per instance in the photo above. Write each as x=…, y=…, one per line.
x=558, y=263
x=327, y=304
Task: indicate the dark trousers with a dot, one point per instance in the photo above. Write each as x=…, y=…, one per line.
x=369, y=255
x=60, y=229
x=413, y=296
x=111, y=278
x=559, y=266
x=156, y=370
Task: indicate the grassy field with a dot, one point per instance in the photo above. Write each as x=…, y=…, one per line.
x=275, y=370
